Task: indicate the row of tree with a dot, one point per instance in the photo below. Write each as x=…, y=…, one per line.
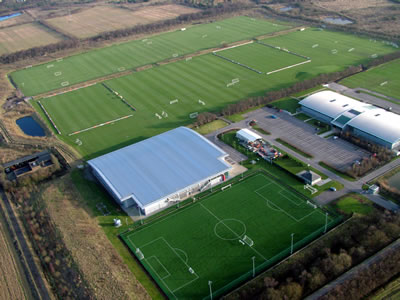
x=387, y=189
x=381, y=155
x=326, y=259
x=110, y=35
x=285, y=92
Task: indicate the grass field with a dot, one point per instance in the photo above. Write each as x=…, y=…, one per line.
x=384, y=79
x=203, y=78
x=19, y=37
x=261, y=58
x=200, y=243
x=354, y=203
x=95, y=20
x=113, y=59
x=79, y=110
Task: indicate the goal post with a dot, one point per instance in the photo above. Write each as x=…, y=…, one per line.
x=226, y=187
x=139, y=254
x=248, y=240
x=312, y=189
x=312, y=204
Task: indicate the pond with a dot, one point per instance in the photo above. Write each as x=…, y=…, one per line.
x=338, y=21
x=30, y=127
x=394, y=181
x=287, y=8
x=3, y=18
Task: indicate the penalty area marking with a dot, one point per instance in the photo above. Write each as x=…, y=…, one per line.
x=288, y=67
x=64, y=83
x=99, y=125
x=57, y=73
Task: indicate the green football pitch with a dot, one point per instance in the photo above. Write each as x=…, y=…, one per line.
x=205, y=78
x=384, y=79
x=217, y=238
x=120, y=57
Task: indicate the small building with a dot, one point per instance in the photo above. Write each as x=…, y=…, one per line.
x=309, y=177
x=247, y=136
x=159, y=171
x=27, y=164
x=373, y=189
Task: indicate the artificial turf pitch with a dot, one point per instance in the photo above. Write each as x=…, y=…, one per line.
x=204, y=237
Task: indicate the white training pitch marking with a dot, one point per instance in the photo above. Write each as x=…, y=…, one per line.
x=230, y=229
x=155, y=257
x=57, y=73
x=237, y=235
x=283, y=210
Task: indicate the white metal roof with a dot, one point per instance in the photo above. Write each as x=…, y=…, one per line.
x=380, y=123
x=248, y=135
x=330, y=103
x=349, y=112
x=161, y=165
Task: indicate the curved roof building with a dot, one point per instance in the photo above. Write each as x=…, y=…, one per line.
x=364, y=120
x=163, y=168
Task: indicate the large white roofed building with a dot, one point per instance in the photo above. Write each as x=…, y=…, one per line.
x=162, y=169
x=364, y=120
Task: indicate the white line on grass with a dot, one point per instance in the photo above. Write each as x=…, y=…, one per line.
x=147, y=260
x=284, y=211
x=288, y=67
x=222, y=222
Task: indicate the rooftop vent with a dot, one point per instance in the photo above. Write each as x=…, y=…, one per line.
x=333, y=100
x=377, y=115
x=345, y=105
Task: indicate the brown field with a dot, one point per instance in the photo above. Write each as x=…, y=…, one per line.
x=91, y=21
x=346, y=5
x=24, y=18
x=98, y=260
x=10, y=277
x=25, y=36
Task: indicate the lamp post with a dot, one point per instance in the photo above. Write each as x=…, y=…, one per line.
x=254, y=266
x=291, y=247
x=326, y=222
x=209, y=284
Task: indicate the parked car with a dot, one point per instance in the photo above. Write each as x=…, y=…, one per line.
x=273, y=117
x=333, y=189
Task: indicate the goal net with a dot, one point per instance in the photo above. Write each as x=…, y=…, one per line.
x=248, y=241
x=311, y=204
x=226, y=187
x=139, y=254
x=312, y=189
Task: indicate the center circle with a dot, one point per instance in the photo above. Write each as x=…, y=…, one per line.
x=230, y=229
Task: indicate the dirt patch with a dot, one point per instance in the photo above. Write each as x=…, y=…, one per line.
x=100, y=263
x=25, y=36
x=91, y=21
x=10, y=283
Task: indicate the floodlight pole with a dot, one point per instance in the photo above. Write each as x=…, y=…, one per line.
x=326, y=222
x=254, y=266
x=209, y=284
x=291, y=247
x=140, y=215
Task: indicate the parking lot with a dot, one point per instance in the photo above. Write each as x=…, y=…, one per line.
x=336, y=152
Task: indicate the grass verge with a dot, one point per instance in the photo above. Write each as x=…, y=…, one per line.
x=337, y=172
x=211, y=127
x=353, y=203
